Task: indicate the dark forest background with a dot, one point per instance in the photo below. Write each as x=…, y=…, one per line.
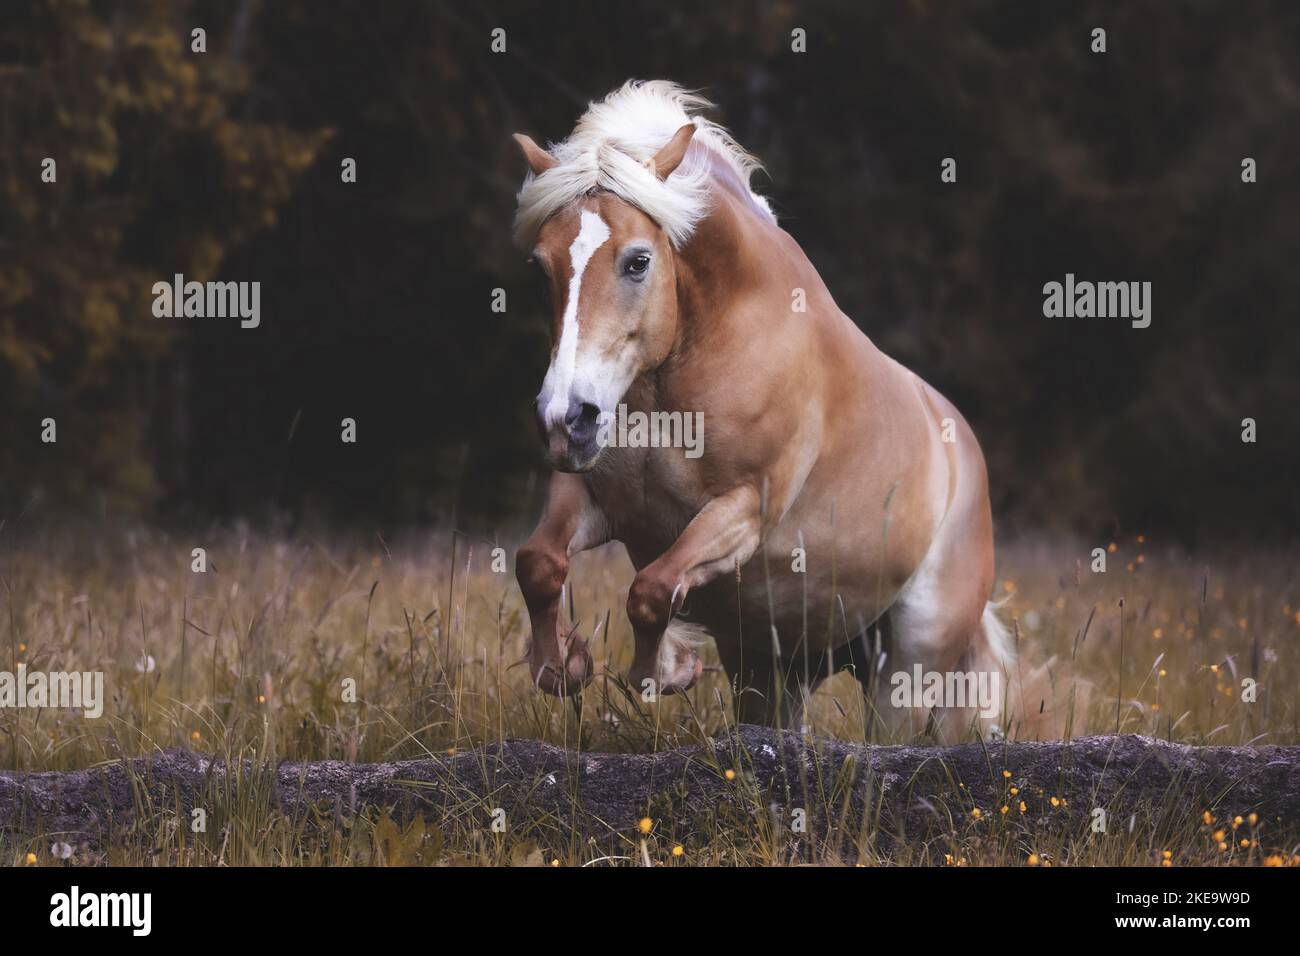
x=376, y=295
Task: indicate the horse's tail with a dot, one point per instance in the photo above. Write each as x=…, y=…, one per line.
x=1043, y=703
x=992, y=655
x=994, y=643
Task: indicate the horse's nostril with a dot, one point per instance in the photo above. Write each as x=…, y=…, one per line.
x=581, y=421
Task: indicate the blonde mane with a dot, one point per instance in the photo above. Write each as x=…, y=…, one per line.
x=608, y=147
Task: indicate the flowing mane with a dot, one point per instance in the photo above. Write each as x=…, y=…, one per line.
x=612, y=140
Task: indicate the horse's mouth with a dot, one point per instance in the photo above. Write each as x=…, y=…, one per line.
x=564, y=454
x=576, y=461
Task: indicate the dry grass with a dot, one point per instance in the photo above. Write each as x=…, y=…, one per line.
x=251, y=659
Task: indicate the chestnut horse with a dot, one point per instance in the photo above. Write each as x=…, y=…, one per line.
x=839, y=513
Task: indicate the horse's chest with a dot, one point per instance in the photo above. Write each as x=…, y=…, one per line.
x=648, y=497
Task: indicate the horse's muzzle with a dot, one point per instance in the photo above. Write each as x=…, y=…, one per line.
x=571, y=444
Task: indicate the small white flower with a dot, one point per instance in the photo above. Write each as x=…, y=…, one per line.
x=146, y=664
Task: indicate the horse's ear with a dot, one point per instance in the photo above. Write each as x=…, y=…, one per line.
x=671, y=156
x=539, y=160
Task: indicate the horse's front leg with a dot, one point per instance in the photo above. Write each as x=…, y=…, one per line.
x=559, y=663
x=724, y=534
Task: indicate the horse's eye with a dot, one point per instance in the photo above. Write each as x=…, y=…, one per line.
x=637, y=265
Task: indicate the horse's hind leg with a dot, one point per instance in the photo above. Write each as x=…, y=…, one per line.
x=938, y=629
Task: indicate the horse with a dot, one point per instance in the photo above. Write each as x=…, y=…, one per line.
x=833, y=480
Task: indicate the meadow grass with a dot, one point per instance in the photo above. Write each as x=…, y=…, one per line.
x=251, y=659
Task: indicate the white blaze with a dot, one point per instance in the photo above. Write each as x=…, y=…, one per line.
x=592, y=234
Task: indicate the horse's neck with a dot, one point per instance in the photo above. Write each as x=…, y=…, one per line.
x=740, y=278
x=728, y=260
x=739, y=272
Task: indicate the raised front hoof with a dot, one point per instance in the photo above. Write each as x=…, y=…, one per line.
x=561, y=681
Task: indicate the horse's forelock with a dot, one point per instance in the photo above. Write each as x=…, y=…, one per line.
x=608, y=150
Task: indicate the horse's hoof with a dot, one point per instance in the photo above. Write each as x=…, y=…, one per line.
x=686, y=671
x=572, y=677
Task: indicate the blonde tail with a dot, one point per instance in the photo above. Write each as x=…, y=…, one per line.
x=993, y=653
x=1046, y=702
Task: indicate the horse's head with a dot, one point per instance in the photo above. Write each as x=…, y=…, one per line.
x=613, y=295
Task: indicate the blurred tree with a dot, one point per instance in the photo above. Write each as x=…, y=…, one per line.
x=138, y=127
x=1119, y=166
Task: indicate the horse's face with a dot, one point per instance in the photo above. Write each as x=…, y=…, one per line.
x=613, y=292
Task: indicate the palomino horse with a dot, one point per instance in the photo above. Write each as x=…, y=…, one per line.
x=835, y=489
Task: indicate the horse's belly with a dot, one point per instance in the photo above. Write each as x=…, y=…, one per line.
x=828, y=594
x=836, y=560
